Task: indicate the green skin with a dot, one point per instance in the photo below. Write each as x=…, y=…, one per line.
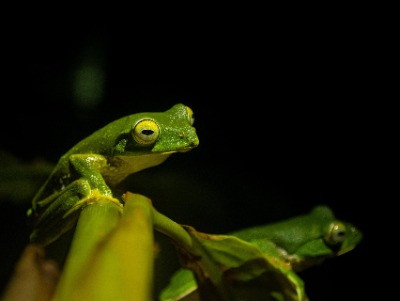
x=96, y=165
x=305, y=240
x=298, y=243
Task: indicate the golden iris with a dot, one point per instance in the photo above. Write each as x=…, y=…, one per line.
x=190, y=115
x=146, y=132
x=336, y=233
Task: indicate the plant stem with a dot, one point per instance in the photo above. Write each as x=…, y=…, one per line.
x=95, y=222
x=172, y=229
x=121, y=267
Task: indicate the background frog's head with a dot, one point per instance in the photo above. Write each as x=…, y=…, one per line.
x=325, y=236
x=310, y=238
x=159, y=132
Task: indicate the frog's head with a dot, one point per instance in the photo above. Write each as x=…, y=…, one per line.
x=324, y=236
x=159, y=132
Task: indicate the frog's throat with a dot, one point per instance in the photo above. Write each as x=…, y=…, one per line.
x=120, y=167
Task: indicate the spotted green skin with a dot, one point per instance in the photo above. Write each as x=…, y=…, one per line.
x=97, y=164
x=302, y=240
x=297, y=242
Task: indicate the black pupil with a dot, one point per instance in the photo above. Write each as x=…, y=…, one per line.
x=341, y=233
x=147, y=132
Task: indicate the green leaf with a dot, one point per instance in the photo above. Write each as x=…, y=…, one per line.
x=228, y=268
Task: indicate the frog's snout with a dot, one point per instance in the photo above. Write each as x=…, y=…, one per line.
x=190, y=140
x=194, y=142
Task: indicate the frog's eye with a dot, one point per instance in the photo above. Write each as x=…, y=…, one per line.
x=190, y=115
x=145, y=132
x=336, y=233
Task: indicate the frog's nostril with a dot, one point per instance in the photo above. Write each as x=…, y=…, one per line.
x=194, y=142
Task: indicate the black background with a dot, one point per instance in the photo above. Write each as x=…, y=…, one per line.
x=286, y=117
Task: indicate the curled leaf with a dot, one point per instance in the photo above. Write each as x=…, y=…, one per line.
x=228, y=268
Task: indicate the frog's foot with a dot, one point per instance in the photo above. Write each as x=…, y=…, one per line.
x=60, y=211
x=94, y=197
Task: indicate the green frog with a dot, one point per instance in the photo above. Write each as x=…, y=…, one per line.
x=291, y=245
x=96, y=165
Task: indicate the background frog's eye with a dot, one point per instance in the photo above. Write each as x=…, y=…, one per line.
x=146, y=132
x=190, y=115
x=336, y=233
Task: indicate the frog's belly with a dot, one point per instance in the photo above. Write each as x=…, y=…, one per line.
x=119, y=167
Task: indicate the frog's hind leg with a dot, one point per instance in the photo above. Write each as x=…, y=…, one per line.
x=61, y=210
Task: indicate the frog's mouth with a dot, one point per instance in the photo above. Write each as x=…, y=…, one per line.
x=344, y=250
x=185, y=149
x=182, y=149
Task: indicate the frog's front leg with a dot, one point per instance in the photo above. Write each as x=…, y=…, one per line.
x=60, y=209
x=88, y=166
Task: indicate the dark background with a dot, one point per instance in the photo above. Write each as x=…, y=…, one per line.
x=285, y=115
